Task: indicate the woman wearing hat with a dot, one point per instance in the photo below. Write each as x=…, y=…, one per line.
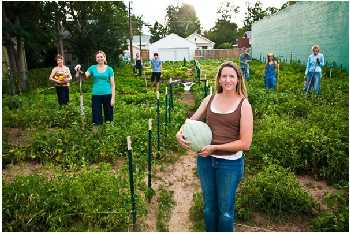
x=271, y=70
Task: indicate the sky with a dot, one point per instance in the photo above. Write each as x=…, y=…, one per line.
x=155, y=10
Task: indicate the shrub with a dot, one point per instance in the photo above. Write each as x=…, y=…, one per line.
x=94, y=200
x=274, y=191
x=336, y=219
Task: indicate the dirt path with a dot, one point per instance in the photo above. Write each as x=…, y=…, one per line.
x=317, y=189
x=179, y=178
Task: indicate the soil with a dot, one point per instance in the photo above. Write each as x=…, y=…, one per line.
x=17, y=136
x=179, y=178
x=25, y=169
x=317, y=189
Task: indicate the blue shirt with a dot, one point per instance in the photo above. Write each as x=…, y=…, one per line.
x=101, y=84
x=155, y=64
x=311, y=63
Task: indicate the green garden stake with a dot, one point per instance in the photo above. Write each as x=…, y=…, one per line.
x=206, y=88
x=169, y=114
x=184, y=62
x=131, y=179
x=171, y=98
x=166, y=106
x=158, y=127
x=149, y=153
x=149, y=192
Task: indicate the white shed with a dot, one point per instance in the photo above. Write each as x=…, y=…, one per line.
x=202, y=43
x=173, y=48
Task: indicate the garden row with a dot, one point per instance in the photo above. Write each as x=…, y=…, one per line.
x=84, y=192
x=293, y=134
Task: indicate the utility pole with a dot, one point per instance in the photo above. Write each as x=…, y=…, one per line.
x=130, y=36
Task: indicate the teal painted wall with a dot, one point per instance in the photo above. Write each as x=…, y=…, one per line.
x=290, y=33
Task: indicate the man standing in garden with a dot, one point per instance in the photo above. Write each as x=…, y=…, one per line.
x=244, y=58
x=313, y=70
x=156, y=65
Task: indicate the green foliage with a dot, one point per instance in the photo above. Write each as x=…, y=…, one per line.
x=158, y=31
x=336, y=219
x=182, y=20
x=274, y=191
x=224, y=33
x=196, y=213
x=106, y=21
x=166, y=202
x=93, y=200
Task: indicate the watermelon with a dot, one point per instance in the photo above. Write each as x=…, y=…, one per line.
x=198, y=133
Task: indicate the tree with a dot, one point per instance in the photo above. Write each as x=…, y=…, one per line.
x=98, y=26
x=254, y=13
x=227, y=10
x=20, y=24
x=223, y=32
x=158, y=31
x=182, y=20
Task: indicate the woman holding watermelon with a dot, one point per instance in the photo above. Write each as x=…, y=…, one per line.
x=220, y=165
x=103, y=88
x=61, y=76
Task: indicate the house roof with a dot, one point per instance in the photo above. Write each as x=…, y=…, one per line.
x=173, y=41
x=202, y=39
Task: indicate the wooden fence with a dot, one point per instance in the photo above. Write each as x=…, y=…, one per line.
x=217, y=53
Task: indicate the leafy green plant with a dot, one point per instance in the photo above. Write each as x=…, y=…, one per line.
x=336, y=218
x=165, y=202
x=274, y=191
x=93, y=200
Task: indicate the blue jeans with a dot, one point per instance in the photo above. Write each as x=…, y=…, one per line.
x=99, y=101
x=245, y=71
x=62, y=95
x=313, y=82
x=219, y=180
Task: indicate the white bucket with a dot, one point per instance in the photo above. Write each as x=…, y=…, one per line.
x=187, y=86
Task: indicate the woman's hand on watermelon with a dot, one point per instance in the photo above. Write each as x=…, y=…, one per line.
x=207, y=150
x=181, y=140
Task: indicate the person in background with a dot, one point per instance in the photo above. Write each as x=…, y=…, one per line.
x=313, y=71
x=220, y=165
x=138, y=64
x=244, y=59
x=271, y=70
x=61, y=76
x=103, y=88
x=156, y=65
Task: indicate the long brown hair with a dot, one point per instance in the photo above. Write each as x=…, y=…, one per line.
x=240, y=87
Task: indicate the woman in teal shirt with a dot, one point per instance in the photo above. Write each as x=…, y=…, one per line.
x=103, y=89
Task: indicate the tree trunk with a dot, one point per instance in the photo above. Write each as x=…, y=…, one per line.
x=9, y=44
x=12, y=69
x=60, y=48
x=22, y=65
